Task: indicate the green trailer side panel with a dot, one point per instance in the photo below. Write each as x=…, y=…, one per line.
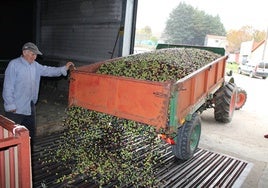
x=173, y=118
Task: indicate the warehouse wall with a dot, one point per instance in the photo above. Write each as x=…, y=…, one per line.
x=81, y=30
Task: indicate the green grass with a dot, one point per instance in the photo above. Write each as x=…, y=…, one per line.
x=232, y=66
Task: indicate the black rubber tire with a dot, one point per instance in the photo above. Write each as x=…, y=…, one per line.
x=225, y=101
x=241, y=98
x=188, y=138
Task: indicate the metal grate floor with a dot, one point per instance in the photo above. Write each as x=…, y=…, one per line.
x=205, y=169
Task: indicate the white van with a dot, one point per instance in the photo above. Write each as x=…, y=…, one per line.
x=254, y=69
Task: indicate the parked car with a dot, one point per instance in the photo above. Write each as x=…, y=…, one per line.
x=254, y=69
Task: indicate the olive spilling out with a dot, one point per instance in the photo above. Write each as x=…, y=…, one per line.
x=108, y=149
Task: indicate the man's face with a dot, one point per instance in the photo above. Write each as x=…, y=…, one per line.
x=29, y=56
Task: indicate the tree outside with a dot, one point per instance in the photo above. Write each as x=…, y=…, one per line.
x=145, y=39
x=188, y=25
x=245, y=33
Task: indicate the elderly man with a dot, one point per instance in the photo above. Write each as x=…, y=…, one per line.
x=21, y=85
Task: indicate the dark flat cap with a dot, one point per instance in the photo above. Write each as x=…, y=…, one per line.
x=32, y=47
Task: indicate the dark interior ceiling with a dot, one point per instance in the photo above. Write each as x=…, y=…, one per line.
x=17, y=23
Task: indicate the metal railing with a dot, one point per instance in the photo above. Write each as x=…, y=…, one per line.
x=15, y=155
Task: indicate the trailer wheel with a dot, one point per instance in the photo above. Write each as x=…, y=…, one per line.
x=225, y=103
x=187, y=139
x=241, y=98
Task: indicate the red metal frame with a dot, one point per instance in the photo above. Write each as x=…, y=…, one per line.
x=15, y=155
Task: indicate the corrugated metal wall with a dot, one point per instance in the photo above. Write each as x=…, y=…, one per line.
x=84, y=31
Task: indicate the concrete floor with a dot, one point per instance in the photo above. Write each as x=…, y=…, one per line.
x=243, y=138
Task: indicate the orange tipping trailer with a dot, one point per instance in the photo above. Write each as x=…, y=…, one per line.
x=174, y=106
x=140, y=100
